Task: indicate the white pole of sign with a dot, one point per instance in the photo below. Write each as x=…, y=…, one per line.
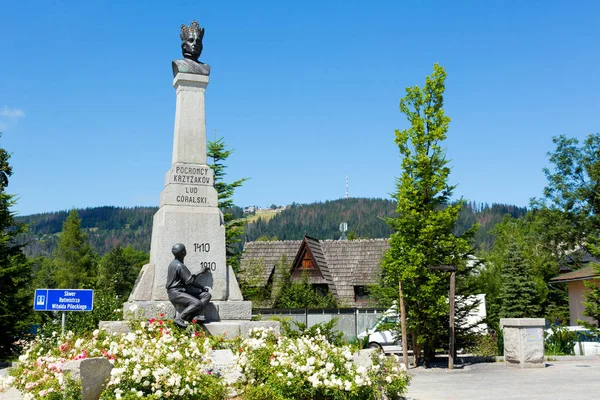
x=63, y=323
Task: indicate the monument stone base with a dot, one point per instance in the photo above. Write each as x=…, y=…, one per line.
x=213, y=312
x=229, y=329
x=523, y=342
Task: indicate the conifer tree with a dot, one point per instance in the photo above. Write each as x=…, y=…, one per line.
x=234, y=226
x=118, y=269
x=74, y=260
x=15, y=271
x=423, y=231
x=518, y=295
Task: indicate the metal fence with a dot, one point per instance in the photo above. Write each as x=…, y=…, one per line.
x=350, y=321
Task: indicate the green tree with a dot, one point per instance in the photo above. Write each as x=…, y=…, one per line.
x=592, y=296
x=301, y=294
x=423, y=228
x=74, y=261
x=15, y=271
x=592, y=301
x=266, y=238
x=569, y=212
x=531, y=235
x=118, y=270
x=352, y=236
x=234, y=227
x=573, y=185
x=43, y=273
x=518, y=294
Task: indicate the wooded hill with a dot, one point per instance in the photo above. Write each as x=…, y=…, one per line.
x=109, y=226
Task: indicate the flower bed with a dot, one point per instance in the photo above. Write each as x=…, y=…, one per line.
x=278, y=367
x=158, y=360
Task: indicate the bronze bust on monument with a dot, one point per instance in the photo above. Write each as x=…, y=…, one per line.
x=191, y=47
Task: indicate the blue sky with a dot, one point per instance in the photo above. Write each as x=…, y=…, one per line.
x=305, y=92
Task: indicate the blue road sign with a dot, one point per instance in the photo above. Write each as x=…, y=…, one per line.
x=63, y=300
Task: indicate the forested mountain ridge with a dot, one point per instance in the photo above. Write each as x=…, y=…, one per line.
x=365, y=220
x=108, y=226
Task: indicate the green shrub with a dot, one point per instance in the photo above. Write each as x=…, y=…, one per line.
x=560, y=341
x=485, y=346
x=262, y=392
x=294, y=329
x=307, y=368
x=159, y=360
x=153, y=360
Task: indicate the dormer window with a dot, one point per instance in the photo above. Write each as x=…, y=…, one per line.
x=307, y=262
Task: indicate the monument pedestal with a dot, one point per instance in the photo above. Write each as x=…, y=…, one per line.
x=523, y=342
x=215, y=311
x=189, y=214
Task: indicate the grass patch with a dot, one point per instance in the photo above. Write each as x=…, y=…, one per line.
x=265, y=215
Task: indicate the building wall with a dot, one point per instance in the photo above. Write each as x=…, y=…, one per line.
x=577, y=292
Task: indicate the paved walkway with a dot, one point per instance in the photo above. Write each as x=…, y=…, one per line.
x=10, y=394
x=560, y=380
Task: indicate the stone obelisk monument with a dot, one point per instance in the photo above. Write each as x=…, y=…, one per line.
x=189, y=212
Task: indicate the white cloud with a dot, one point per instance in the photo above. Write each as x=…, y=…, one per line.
x=13, y=113
x=9, y=116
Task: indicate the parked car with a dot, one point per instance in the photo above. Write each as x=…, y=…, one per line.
x=587, y=342
x=382, y=334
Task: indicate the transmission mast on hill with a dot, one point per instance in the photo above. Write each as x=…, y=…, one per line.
x=347, y=186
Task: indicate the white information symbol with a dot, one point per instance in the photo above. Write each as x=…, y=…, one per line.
x=41, y=300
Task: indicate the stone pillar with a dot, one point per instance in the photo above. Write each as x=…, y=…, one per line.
x=189, y=214
x=189, y=137
x=523, y=342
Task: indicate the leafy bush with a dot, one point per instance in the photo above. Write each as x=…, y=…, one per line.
x=306, y=367
x=299, y=329
x=560, y=341
x=158, y=360
x=301, y=294
x=485, y=346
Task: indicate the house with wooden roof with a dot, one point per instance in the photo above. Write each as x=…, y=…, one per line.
x=575, y=278
x=343, y=268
